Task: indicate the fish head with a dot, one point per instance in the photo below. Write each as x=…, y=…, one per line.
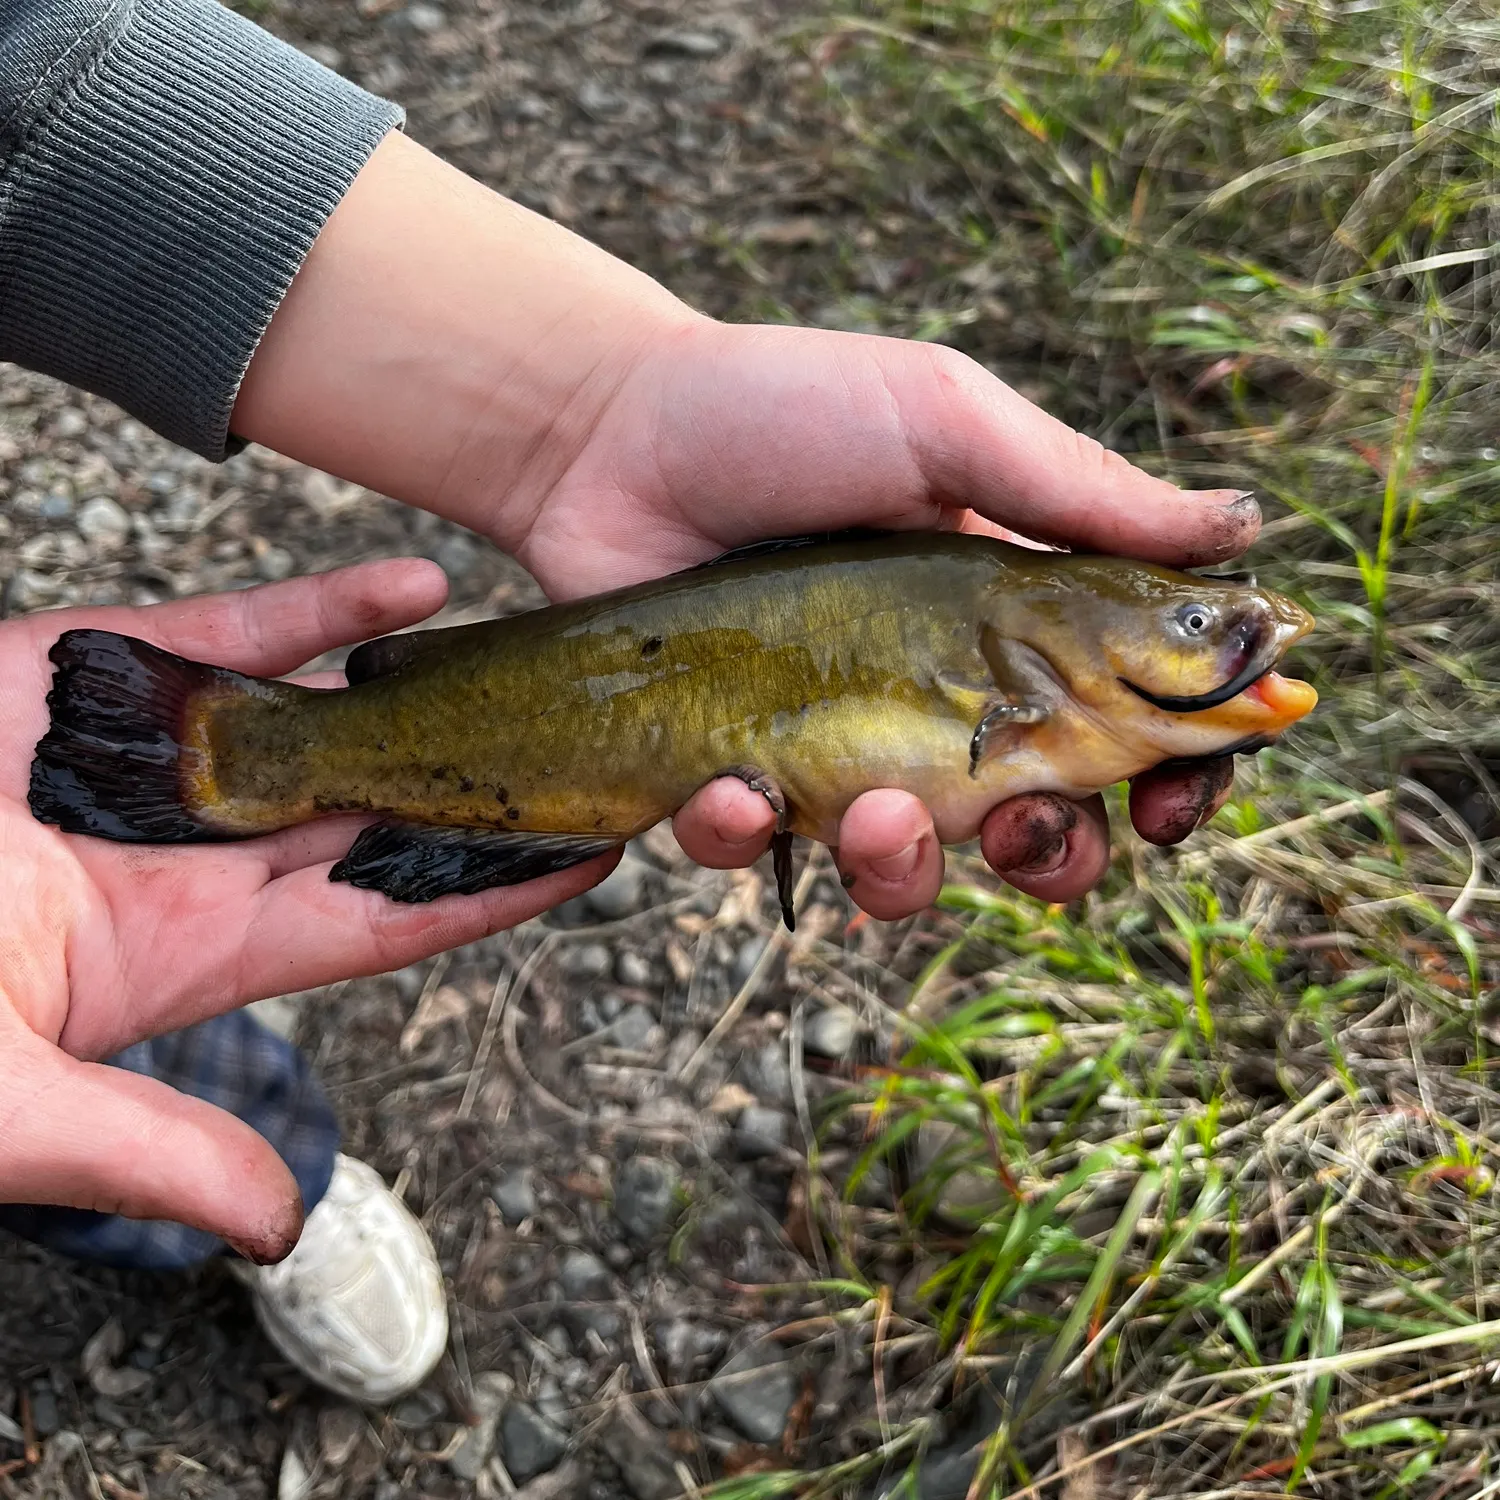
x=1181, y=663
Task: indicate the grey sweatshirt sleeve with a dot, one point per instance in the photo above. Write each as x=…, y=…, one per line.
x=165, y=166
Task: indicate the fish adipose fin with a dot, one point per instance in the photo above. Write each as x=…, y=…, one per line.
x=111, y=762
x=413, y=862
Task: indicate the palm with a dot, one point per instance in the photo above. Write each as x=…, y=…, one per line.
x=103, y=944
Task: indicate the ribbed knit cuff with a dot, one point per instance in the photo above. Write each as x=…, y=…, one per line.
x=159, y=206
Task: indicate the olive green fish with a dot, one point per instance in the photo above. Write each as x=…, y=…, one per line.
x=959, y=668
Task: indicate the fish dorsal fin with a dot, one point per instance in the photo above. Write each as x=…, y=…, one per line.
x=777, y=544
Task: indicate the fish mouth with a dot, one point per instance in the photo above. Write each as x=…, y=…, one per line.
x=1247, y=676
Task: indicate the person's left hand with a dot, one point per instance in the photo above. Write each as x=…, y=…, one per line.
x=104, y=944
x=724, y=434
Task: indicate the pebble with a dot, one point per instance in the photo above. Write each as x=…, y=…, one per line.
x=529, y=1443
x=56, y=505
x=755, y=1389
x=70, y=423
x=420, y=1409
x=321, y=52
x=760, y=1132
x=340, y=1427
x=766, y=1073
x=621, y=892
x=586, y=961
x=646, y=1195
x=746, y=959
x=104, y=523
x=641, y=1454
x=830, y=1032
x=514, y=1195
x=596, y=100
x=275, y=563
x=632, y=969
x=455, y=555
x=686, y=43
x=632, y=1029
x=491, y=1391
x=583, y=1276
x=45, y=1416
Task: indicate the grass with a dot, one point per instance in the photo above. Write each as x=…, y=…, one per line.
x=1195, y=1180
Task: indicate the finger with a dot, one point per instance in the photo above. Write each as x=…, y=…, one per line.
x=1169, y=802
x=305, y=930
x=724, y=825
x=83, y=1135
x=889, y=855
x=980, y=444
x=1047, y=846
x=276, y=627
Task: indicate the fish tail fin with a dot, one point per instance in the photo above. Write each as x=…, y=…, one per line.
x=114, y=762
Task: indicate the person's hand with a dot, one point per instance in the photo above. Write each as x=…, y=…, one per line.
x=446, y=347
x=104, y=944
x=722, y=435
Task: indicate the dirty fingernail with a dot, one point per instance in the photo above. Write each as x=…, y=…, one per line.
x=1045, y=862
x=899, y=865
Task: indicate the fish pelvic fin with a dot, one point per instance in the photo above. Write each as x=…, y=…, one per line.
x=414, y=863
x=115, y=761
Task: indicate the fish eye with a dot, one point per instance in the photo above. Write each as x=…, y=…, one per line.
x=1194, y=619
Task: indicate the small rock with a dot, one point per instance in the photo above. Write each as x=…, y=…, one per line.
x=529, y=1443
x=321, y=52
x=514, y=1195
x=640, y=1453
x=456, y=554
x=583, y=1277
x=685, y=44
x=760, y=1132
x=104, y=523
x=137, y=1440
x=596, y=100
x=10, y=1430
x=557, y=1340
x=586, y=961
x=746, y=959
x=755, y=1389
x=766, y=1074
x=491, y=1392
x=162, y=482
x=830, y=1032
x=55, y=505
x=294, y=1482
x=420, y=1409
x=632, y=1029
x=646, y=1195
x=621, y=892
x=70, y=423
x=424, y=18
x=340, y=1427
x=45, y=1416
x=566, y=1482
x=633, y=970
x=274, y=563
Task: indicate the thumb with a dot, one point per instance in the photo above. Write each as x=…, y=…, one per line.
x=84, y=1135
x=982, y=446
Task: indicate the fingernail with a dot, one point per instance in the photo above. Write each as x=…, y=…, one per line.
x=1222, y=497
x=898, y=866
x=1045, y=862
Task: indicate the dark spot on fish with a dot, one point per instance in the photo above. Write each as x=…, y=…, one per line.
x=501, y=795
x=382, y=747
x=653, y=645
x=440, y=773
x=804, y=708
x=599, y=822
x=466, y=783
x=512, y=813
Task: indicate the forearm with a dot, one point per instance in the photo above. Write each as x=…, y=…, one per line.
x=447, y=347
x=164, y=168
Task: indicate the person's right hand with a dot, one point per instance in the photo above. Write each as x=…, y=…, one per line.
x=104, y=944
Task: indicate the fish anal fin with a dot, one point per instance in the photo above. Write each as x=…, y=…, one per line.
x=414, y=863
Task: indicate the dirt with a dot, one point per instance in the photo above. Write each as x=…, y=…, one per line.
x=541, y=1096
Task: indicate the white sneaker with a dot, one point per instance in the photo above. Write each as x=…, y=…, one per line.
x=359, y=1305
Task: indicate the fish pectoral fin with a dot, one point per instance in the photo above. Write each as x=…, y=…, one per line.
x=414, y=862
x=1000, y=729
x=781, y=841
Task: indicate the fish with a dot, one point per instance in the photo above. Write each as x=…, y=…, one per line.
x=960, y=668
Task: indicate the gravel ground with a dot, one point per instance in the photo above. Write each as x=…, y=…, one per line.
x=603, y=1184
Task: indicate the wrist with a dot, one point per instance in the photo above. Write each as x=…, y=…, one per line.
x=448, y=348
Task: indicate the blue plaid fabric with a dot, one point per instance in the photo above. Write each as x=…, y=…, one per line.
x=236, y=1063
